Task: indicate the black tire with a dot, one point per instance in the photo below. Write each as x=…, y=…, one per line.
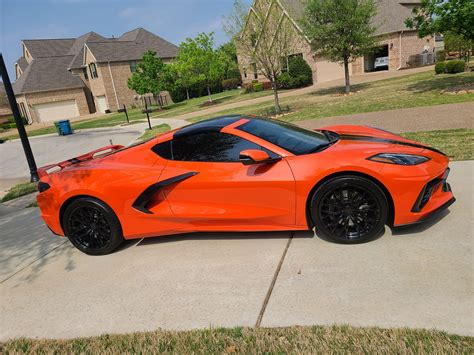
x=349, y=210
x=92, y=226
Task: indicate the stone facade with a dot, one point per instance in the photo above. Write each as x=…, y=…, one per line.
x=31, y=99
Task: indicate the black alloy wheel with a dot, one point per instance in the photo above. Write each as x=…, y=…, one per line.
x=92, y=226
x=349, y=209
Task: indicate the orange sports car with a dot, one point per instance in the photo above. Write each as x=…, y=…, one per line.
x=238, y=173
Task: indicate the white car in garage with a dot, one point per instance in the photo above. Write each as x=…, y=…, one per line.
x=381, y=62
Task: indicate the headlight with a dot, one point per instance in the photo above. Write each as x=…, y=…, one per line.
x=399, y=159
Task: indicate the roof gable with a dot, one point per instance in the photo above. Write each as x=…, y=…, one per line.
x=163, y=48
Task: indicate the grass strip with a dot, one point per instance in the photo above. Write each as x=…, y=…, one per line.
x=315, y=339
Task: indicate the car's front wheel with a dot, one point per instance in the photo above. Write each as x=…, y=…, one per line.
x=92, y=226
x=349, y=209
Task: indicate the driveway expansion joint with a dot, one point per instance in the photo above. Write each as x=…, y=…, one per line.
x=274, y=279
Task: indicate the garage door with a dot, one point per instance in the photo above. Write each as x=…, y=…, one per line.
x=327, y=71
x=101, y=103
x=53, y=111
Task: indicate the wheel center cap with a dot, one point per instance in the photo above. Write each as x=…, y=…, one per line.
x=348, y=210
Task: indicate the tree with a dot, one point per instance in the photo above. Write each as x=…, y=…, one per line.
x=441, y=16
x=228, y=57
x=202, y=60
x=149, y=75
x=267, y=38
x=457, y=43
x=181, y=70
x=235, y=22
x=340, y=30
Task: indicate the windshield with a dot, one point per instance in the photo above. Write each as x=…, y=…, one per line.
x=294, y=139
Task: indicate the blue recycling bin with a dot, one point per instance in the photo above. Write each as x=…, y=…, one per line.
x=63, y=127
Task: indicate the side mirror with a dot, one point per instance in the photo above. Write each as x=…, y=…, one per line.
x=254, y=156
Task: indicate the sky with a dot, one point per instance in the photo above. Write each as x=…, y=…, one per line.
x=174, y=20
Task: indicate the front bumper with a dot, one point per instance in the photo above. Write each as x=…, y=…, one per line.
x=423, y=199
x=431, y=215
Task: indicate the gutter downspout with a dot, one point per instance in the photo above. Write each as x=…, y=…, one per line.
x=400, y=52
x=113, y=86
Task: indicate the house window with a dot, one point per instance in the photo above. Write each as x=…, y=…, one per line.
x=86, y=76
x=255, y=73
x=133, y=66
x=284, y=64
x=93, y=70
x=245, y=72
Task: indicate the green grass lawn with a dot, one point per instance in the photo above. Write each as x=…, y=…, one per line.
x=19, y=190
x=193, y=105
x=415, y=90
x=307, y=340
x=149, y=133
x=458, y=144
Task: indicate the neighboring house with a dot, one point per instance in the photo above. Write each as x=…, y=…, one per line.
x=395, y=41
x=5, y=111
x=72, y=77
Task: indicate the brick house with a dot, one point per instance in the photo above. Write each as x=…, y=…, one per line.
x=395, y=41
x=72, y=77
x=5, y=111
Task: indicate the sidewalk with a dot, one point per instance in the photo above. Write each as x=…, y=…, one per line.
x=425, y=118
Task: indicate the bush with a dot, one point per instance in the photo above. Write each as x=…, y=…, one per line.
x=299, y=74
x=440, y=68
x=441, y=56
x=298, y=68
x=8, y=125
x=257, y=87
x=455, y=66
x=230, y=84
x=285, y=81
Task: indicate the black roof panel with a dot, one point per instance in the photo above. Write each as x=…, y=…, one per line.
x=210, y=125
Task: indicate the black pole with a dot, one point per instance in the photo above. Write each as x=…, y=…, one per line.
x=147, y=115
x=19, y=123
x=126, y=113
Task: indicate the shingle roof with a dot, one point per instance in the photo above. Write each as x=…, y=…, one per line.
x=117, y=50
x=390, y=17
x=77, y=48
x=53, y=57
x=39, y=48
x=45, y=74
x=22, y=63
x=163, y=48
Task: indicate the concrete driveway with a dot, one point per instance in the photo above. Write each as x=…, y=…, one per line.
x=419, y=277
x=52, y=148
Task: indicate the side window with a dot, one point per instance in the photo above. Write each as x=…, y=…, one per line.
x=206, y=147
x=163, y=150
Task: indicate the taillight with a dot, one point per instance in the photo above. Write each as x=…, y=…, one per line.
x=42, y=186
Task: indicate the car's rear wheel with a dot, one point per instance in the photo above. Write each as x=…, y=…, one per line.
x=92, y=226
x=349, y=209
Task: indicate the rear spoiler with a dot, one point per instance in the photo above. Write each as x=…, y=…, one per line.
x=53, y=168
